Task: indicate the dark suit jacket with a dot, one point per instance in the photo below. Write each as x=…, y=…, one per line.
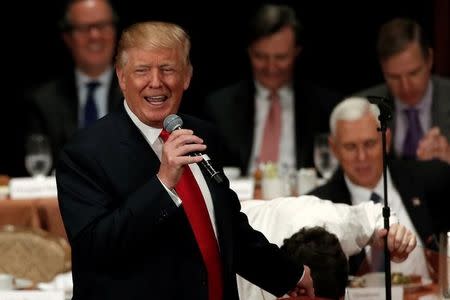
x=440, y=108
x=53, y=109
x=130, y=241
x=425, y=191
x=232, y=109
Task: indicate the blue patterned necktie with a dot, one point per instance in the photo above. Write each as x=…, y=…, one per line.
x=413, y=134
x=90, y=108
x=377, y=253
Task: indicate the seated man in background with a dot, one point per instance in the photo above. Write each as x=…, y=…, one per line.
x=421, y=127
x=416, y=189
x=273, y=114
x=322, y=251
x=89, y=90
x=355, y=227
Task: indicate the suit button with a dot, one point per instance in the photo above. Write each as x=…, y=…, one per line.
x=203, y=282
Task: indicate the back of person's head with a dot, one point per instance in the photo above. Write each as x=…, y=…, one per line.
x=322, y=252
x=153, y=35
x=269, y=19
x=66, y=23
x=396, y=35
x=351, y=109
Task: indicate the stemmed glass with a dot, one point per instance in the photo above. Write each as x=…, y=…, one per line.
x=38, y=158
x=324, y=160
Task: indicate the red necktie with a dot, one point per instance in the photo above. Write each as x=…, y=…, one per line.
x=272, y=131
x=195, y=208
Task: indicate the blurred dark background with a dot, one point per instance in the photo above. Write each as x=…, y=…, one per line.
x=338, y=53
x=339, y=48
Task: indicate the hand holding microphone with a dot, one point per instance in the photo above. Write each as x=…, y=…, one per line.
x=182, y=148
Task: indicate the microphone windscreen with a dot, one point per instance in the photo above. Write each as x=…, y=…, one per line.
x=172, y=122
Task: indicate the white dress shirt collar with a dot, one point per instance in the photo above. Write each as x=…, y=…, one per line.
x=360, y=194
x=151, y=134
x=104, y=79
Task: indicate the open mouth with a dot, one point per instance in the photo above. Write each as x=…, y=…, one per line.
x=155, y=99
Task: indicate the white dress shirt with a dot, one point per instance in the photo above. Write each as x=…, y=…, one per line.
x=280, y=218
x=100, y=93
x=151, y=135
x=287, y=156
x=416, y=262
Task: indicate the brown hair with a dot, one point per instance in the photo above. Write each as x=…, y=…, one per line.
x=395, y=35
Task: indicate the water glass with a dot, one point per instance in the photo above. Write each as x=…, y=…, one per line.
x=38, y=158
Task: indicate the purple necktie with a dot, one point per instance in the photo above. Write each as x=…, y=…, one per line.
x=413, y=134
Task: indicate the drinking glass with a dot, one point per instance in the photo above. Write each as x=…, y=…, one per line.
x=324, y=160
x=38, y=158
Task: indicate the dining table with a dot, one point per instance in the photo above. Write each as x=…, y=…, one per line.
x=42, y=213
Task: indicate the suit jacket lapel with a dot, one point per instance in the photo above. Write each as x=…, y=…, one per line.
x=412, y=193
x=70, y=97
x=114, y=95
x=135, y=146
x=341, y=193
x=440, y=108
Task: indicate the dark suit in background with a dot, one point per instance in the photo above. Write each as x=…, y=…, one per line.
x=274, y=42
x=53, y=109
x=232, y=109
x=121, y=220
x=424, y=190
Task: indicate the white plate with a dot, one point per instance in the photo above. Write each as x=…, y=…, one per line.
x=22, y=284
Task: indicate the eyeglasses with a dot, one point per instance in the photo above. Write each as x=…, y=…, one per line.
x=86, y=28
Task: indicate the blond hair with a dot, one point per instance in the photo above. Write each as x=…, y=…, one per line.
x=153, y=35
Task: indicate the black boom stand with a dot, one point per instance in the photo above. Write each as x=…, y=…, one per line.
x=384, y=117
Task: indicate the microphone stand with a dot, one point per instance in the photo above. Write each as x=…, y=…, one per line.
x=384, y=117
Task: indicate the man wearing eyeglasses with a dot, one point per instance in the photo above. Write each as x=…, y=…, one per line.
x=89, y=90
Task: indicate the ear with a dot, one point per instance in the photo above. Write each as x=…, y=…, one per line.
x=187, y=79
x=388, y=139
x=298, y=50
x=121, y=78
x=430, y=59
x=67, y=38
x=332, y=144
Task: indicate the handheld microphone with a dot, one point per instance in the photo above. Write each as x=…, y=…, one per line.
x=173, y=122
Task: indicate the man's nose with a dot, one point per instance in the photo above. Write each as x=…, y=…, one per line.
x=361, y=153
x=155, y=79
x=405, y=84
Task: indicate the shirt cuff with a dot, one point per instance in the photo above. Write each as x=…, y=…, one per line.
x=172, y=193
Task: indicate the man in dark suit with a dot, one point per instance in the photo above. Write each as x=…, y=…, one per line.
x=421, y=126
x=131, y=217
x=416, y=190
x=241, y=111
x=60, y=107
